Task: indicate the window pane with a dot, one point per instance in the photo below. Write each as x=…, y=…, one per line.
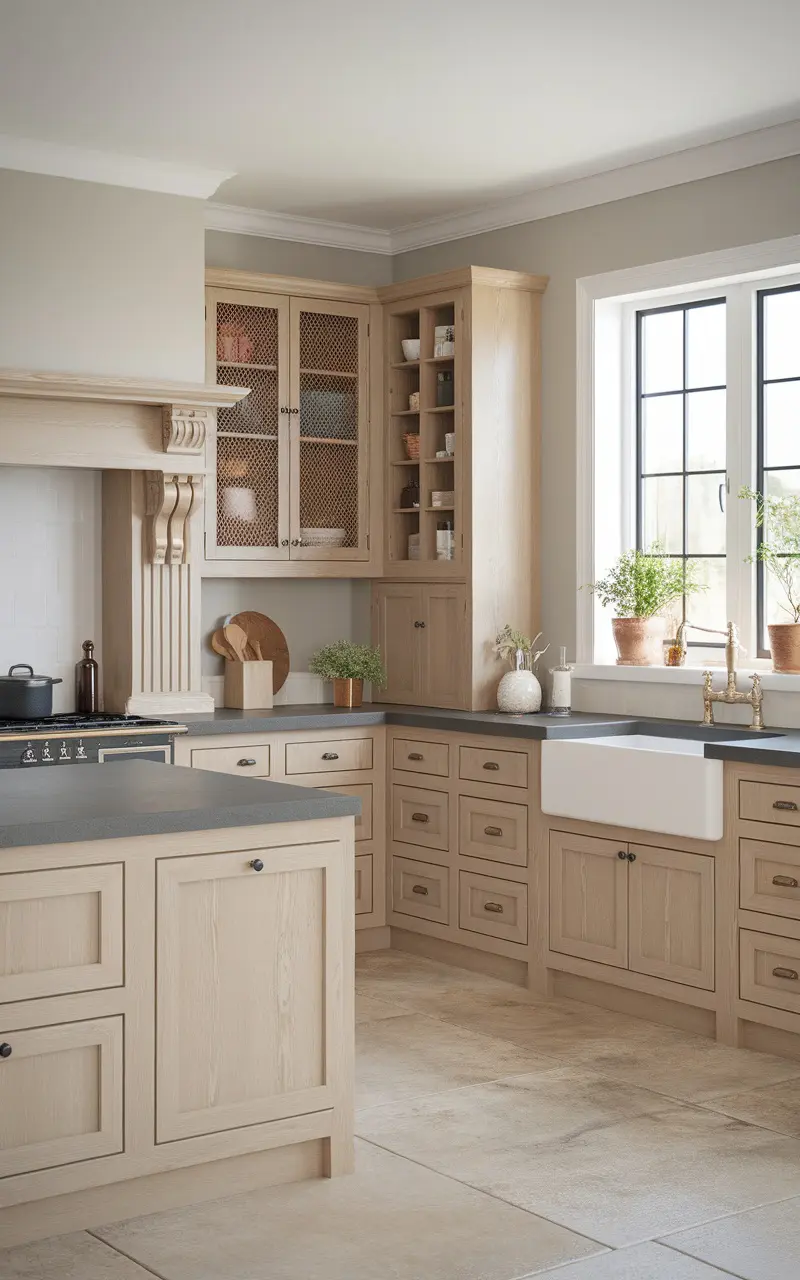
x=782, y=335
x=662, y=351
x=709, y=608
x=705, y=430
x=782, y=424
x=662, y=513
x=705, y=533
x=705, y=346
x=662, y=434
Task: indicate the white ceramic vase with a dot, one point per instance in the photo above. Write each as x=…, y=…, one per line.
x=519, y=693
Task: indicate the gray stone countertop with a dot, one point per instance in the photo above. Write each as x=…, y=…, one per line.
x=141, y=797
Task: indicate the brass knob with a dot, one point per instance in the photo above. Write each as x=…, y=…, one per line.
x=420, y=889
x=419, y=817
x=495, y=907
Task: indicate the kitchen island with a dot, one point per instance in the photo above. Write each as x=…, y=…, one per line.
x=176, y=990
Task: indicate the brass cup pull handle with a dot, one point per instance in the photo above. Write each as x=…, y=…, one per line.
x=415, y=755
x=791, y=974
x=788, y=805
x=420, y=817
x=786, y=882
x=330, y=755
x=420, y=889
x=492, y=831
x=245, y=763
x=492, y=766
x=495, y=907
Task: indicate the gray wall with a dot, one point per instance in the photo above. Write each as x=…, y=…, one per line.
x=740, y=208
x=281, y=257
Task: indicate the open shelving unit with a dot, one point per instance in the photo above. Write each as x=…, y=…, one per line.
x=432, y=422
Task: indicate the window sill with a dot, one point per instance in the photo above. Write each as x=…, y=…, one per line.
x=770, y=680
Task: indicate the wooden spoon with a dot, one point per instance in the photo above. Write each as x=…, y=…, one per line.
x=220, y=645
x=237, y=639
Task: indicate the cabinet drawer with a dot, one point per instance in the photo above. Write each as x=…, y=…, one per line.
x=329, y=757
x=420, y=816
x=769, y=970
x=60, y=1095
x=363, y=884
x=769, y=802
x=363, y=792
x=482, y=764
x=60, y=931
x=493, y=829
x=420, y=889
x=249, y=761
x=769, y=878
x=498, y=908
x=421, y=757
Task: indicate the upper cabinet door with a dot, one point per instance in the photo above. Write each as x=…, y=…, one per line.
x=248, y=345
x=444, y=648
x=672, y=915
x=397, y=628
x=329, y=430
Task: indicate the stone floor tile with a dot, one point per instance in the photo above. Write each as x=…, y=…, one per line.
x=73, y=1257
x=776, y=1107
x=640, y=1262
x=371, y=1009
x=762, y=1244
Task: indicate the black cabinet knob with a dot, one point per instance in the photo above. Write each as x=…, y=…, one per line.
x=5, y=1050
x=623, y=855
x=257, y=864
x=631, y=857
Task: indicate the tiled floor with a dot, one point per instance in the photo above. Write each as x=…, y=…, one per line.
x=501, y=1139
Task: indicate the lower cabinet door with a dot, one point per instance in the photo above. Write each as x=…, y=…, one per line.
x=671, y=915
x=249, y=986
x=589, y=898
x=60, y=1094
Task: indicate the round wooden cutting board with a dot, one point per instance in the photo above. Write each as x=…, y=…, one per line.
x=267, y=634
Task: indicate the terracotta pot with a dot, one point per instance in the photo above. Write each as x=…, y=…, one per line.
x=348, y=693
x=639, y=641
x=784, y=642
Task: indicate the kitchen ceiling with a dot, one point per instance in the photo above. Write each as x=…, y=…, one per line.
x=384, y=115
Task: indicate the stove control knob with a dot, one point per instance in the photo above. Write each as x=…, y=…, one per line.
x=28, y=755
x=80, y=754
x=46, y=756
x=64, y=753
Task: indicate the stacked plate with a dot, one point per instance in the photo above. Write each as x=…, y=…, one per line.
x=323, y=537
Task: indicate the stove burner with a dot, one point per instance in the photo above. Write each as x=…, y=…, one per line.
x=74, y=722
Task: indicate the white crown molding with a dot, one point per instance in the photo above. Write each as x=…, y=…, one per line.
x=693, y=163
x=58, y=161
x=285, y=226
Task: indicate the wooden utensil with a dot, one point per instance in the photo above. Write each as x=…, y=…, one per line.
x=271, y=644
x=220, y=645
x=237, y=639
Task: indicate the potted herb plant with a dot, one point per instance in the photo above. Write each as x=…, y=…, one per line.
x=779, y=552
x=519, y=692
x=348, y=665
x=639, y=587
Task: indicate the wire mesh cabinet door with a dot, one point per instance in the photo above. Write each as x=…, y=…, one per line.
x=248, y=345
x=329, y=430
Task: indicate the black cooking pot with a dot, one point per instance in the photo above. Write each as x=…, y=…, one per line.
x=24, y=696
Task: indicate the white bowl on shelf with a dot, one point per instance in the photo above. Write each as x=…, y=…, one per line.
x=323, y=537
x=410, y=348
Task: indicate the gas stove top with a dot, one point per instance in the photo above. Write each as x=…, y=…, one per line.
x=101, y=738
x=74, y=723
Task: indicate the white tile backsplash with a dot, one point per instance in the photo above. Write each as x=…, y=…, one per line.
x=50, y=592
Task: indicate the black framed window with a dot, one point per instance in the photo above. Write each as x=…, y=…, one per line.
x=777, y=424
x=681, y=393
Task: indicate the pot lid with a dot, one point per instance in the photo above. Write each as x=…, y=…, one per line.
x=21, y=673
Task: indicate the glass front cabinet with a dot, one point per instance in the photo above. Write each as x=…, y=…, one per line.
x=289, y=464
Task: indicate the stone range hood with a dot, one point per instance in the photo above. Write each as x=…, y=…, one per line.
x=148, y=437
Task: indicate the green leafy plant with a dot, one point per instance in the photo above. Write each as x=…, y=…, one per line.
x=344, y=660
x=780, y=547
x=510, y=642
x=643, y=583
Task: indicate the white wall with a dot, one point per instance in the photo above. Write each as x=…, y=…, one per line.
x=283, y=258
x=93, y=279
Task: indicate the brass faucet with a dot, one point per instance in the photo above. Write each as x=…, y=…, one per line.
x=729, y=694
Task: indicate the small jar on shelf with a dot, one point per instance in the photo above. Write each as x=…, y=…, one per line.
x=445, y=540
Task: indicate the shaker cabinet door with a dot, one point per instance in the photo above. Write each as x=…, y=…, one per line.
x=397, y=629
x=671, y=898
x=444, y=640
x=329, y=424
x=589, y=898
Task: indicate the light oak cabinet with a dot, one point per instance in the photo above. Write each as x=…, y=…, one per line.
x=248, y=955
x=420, y=628
x=633, y=906
x=290, y=463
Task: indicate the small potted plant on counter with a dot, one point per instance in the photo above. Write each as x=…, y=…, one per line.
x=779, y=552
x=519, y=692
x=640, y=586
x=348, y=665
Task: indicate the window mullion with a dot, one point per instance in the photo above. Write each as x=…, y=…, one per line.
x=740, y=442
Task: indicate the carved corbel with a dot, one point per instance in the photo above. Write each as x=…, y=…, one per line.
x=177, y=548
x=184, y=428
x=170, y=502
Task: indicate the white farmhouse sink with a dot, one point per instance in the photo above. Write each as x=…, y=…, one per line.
x=653, y=784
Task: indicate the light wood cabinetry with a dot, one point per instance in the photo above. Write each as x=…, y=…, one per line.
x=588, y=898
x=291, y=463
x=483, y=400
x=420, y=628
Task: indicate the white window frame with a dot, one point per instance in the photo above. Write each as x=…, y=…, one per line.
x=606, y=434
